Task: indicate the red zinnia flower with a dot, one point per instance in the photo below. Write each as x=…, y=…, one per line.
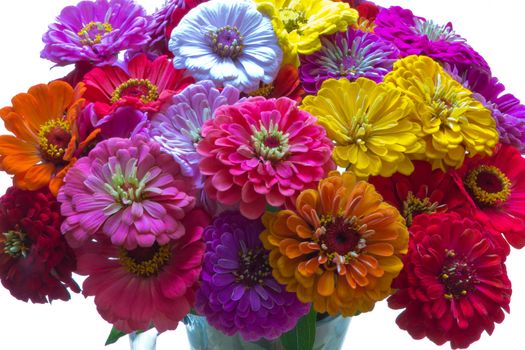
x=454, y=283
x=143, y=84
x=35, y=261
x=286, y=84
x=425, y=191
x=496, y=186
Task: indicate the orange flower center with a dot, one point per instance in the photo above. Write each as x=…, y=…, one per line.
x=54, y=137
x=457, y=276
x=93, y=32
x=142, y=89
x=145, y=262
x=413, y=206
x=488, y=185
x=253, y=267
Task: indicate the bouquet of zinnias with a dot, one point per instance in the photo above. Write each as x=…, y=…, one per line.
x=264, y=164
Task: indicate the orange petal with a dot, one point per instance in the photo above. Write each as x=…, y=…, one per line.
x=360, y=280
x=369, y=261
x=17, y=163
x=359, y=268
x=38, y=176
x=18, y=126
x=326, y=284
x=308, y=247
x=12, y=145
x=57, y=98
x=381, y=249
x=308, y=268
x=350, y=280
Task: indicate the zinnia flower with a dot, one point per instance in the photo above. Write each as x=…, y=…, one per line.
x=142, y=287
x=177, y=127
x=45, y=140
x=299, y=23
x=286, y=84
x=351, y=54
x=35, y=262
x=453, y=122
x=370, y=124
x=237, y=291
x=506, y=109
x=142, y=83
x=95, y=31
x=416, y=36
x=454, y=284
x=229, y=42
x=496, y=186
x=339, y=248
x=127, y=190
x=425, y=191
x=262, y=151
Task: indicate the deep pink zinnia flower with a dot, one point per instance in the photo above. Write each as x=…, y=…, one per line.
x=127, y=190
x=141, y=83
x=262, y=151
x=137, y=288
x=454, y=283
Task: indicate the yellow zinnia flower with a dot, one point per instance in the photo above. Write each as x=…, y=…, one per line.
x=340, y=249
x=299, y=23
x=452, y=121
x=370, y=124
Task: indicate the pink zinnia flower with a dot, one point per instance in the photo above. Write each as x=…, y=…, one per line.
x=137, y=288
x=140, y=83
x=127, y=190
x=262, y=151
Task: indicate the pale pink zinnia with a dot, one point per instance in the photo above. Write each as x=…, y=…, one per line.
x=143, y=287
x=127, y=190
x=261, y=152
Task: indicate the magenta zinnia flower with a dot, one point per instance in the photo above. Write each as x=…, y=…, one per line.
x=35, y=261
x=351, y=54
x=127, y=190
x=416, y=36
x=454, y=283
x=95, y=32
x=143, y=287
x=262, y=151
x=238, y=292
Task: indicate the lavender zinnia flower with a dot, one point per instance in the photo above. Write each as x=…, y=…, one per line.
x=228, y=42
x=95, y=32
x=128, y=190
x=506, y=109
x=416, y=36
x=238, y=292
x=351, y=54
x=177, y=127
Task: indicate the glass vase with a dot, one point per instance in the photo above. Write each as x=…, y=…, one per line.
x=330, y=335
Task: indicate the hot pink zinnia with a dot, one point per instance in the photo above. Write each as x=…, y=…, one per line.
x=262, y=151
x=137, y=288
x=127, y=190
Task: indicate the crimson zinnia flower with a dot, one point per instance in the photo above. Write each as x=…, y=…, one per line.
x=35, y=261
x=425, y=191
x=496, y=186
x=454, y=283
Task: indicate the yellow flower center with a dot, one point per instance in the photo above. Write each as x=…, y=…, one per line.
x=138, y=88
x=15, y=243
x=413, y=206
x=265, y=90
x=270, y=143
x=292, y=19
x=457, y=276
x=54, y=137
x=488, y=185
x=254, y=267
x=145, y=262
x=93, y=32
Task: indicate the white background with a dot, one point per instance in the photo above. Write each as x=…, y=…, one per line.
x=494, y=28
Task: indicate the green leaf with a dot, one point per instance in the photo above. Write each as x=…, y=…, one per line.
x=302, y=337
x=114, y=335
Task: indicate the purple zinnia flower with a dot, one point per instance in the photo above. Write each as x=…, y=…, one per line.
x=177, y=127
x=351, y=54
x=238, y=292
x=506, y=109
x=128, y=190
x=416, y=36
x=95, y=32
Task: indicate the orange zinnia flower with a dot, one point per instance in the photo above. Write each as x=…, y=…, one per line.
x=340, y=248
x=45, y=140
